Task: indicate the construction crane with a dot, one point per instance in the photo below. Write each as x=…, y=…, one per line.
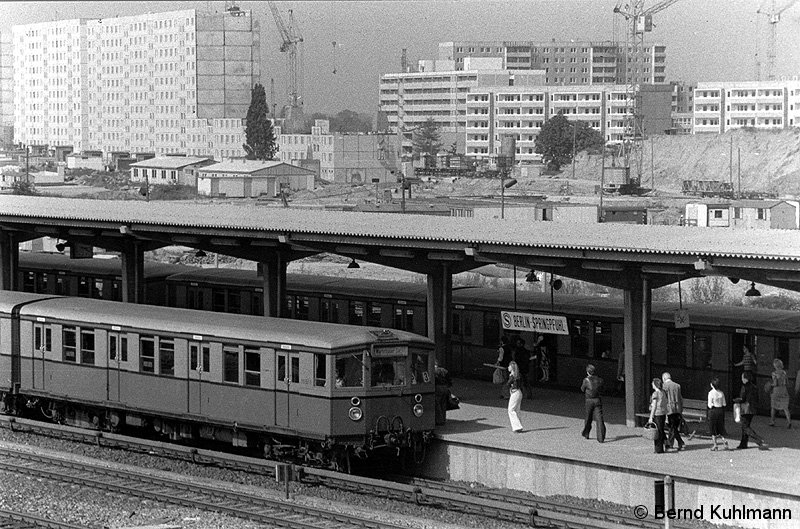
x=639, y=21
x=774, y=17
x=290, y=40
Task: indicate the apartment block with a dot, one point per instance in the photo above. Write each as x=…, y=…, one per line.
x=761, y=105
x=167, y=83
x=6, y=91
x=409, y=99
x=567, y=62
x=497, y=111
x=294, y=148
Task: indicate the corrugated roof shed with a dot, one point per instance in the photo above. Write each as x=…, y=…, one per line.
x=249, y=167
x=168, y=162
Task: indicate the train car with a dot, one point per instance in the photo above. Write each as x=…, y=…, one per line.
x=49, y=273
x=694, y=355
x=309, y=391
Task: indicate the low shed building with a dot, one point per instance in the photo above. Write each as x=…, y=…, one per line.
x=168, y=170
x=252, y=178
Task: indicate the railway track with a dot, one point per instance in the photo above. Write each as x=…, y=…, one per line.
x=515, y=507
x=21, y=520
x=275, y=512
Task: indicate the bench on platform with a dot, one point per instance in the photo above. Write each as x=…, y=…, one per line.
x=694, y=411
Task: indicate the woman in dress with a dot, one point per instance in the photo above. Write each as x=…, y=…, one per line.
x=658, y=414
x=779, y=397
x=716, y=414
x=515, y=400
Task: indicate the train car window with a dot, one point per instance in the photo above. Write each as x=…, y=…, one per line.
x=252, y=367
x=41, y=280
x=29, y=282
x=280, y=373
x=166, y=357
x=234, y=302
x=218, y=300
x=602, y=339
x=294, y=369
x=199, y=355
x=84, y=287
x=61, y=287
x=230, y=363
x=320, y=369
x=194, y=298
x=404, y=319
x=329, y=311
x=356, y=313
x=388, y=371
x=117, y=347
x=116, y=292
x=147, y=354
x=782, y=348
x=701, y=350
x=302, y=308
x=374, y=315
x=581, y=336
x=257, y=303
x=419, y=369
x=676, y=347
x=350, y=370
x=43, y=338
x=97, y=292
x=68, y=341
x=491, y=329
x=87, y=346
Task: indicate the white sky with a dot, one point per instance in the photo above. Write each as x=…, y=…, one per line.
x=707, y=40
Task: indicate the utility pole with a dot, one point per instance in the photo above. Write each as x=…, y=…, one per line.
x=574, y=134
x=739, y=195
x=730, y=163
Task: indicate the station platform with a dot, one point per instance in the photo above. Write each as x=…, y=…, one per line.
x=550, y=457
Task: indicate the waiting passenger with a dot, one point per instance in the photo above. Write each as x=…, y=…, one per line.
x=779, y=394
x=658, y=414
x=716, y=414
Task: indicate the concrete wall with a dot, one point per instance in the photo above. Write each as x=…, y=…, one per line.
x=548, y=476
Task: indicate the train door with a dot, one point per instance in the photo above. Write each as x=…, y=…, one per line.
x=117, y=354
x=739, y=340
x=199, y=366
x=42, y=343
x=287, y=378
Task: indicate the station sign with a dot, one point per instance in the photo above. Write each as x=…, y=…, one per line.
x=682, y=319
x=541, y=323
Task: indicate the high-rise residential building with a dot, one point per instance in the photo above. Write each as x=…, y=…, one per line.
x=439, y=92
x=761, y=105
x=6, y=91
x=172, y=82
x=567, y=62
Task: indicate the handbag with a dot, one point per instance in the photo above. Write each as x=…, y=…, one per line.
x=499, y=376
x=768, y=387
x=650, y=431
x=453, y=402
x=737, y=412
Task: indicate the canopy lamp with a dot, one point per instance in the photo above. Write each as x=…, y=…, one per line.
x=200, y=253
x=752, y=292
x=353, y=264
x=532, y=277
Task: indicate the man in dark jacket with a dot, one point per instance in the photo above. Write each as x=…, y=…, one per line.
x=594, y=405
x=748, y=399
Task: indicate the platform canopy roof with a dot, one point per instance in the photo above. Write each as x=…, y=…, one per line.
x=593, y=252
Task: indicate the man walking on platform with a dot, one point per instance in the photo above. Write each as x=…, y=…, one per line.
x=594, y=405
x=674, y=410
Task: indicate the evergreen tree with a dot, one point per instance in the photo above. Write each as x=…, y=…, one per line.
x=555, y=140
x=426, y=140
x=259, y=132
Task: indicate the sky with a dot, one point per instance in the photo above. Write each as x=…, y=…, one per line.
x=707, y=40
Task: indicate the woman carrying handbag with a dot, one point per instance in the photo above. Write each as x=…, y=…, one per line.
x=658, y=415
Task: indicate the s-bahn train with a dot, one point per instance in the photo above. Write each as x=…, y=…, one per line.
x=708, y=348
x=305, y=391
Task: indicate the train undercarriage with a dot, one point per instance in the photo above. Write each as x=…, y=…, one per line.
x=389, y=440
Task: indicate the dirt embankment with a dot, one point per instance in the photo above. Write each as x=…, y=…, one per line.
x=764, y=161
